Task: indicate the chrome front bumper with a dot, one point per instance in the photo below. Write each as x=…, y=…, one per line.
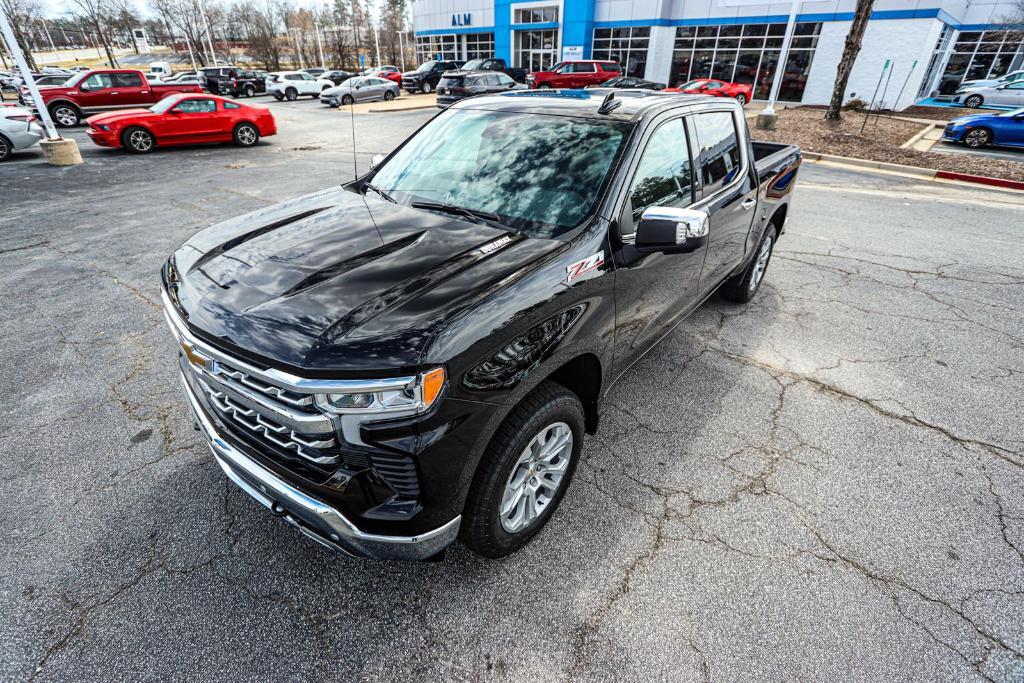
x=314, y=518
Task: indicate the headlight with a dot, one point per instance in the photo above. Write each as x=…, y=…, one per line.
x=103, y=127
x=416, y=396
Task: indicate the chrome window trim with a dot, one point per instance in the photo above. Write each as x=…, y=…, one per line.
x=741, y=139
x=281, y=378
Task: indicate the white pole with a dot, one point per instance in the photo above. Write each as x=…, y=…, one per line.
x=319, y=45
x=209, y=34
x=780, y=68
x=401, y=49
x=26, y=74
x=47, y=32
x=191, y=56
x=376, y=43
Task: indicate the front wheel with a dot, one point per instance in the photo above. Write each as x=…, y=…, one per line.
x=65, y=115
x=347, y=100
x=137, y=140
x=246, y=135
x=742, y=99
x=974, y=101
x=544, y=86
x=250, y=91
x=6, y=149
x=524, y=472
x=388, y=96
x=278, y=96
x=291, y=94
x=426, y=88
x=977, y=137
x=744, y=286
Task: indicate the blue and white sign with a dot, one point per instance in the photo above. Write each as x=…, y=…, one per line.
x=572, y=52
x=462, y=19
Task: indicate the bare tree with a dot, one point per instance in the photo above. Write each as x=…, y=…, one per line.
x=94, y=13
x=22, y=14
x=123, y=17
x=260, y=24
x=184, y=19
x=850, y=51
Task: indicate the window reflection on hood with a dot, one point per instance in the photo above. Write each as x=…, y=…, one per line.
x=541, y=174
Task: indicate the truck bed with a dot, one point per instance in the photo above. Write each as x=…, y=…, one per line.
x=773, y=158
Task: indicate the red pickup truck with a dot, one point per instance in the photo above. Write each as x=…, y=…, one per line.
x=90, y=92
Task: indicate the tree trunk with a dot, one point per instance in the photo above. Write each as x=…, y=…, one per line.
x=854, y=39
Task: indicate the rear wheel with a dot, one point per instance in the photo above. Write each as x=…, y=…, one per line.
x=250, y=91
x=65, y=115
x=291, y=94
x=137, y=140
x=524, y=472
x=744, y=286
x=246, y=135
x=974, y=101
x=278, y=96
x=544, y=86
x=426, y=88
x=6, y=148
x=388, y=95
x=977, y=137
x=742, y=99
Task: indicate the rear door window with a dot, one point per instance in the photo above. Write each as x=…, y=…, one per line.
x=127, y=80
x=719, y=149
x=584, y=68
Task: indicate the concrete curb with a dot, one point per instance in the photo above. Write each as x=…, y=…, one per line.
x=914, y=140
x=399, y=109
x=924, y=173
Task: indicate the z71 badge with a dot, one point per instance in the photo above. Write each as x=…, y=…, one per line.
x=581, y=268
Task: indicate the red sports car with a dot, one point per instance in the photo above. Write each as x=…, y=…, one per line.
x=709, y=86
x=393, y=76
x=182, y=120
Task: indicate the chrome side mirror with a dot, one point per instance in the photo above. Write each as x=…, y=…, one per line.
x=672, y=230
x=376, y=160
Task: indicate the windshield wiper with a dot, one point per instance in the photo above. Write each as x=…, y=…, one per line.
x=484, y=217
x=382, y=193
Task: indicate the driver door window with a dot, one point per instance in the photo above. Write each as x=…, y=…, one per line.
x=664, y=176
x=99, y=82
x=196, y=106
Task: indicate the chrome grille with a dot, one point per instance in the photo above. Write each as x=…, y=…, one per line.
x=291, y=398
x=275, y=433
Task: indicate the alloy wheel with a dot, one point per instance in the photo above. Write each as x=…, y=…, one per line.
x=976, y=137
x=762, y=263
x=247, y=136
x=5, y=149
x=536, y=477
x=140, y=141
x=65, y=116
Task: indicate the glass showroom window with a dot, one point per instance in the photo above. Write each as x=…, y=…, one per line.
x=536, y=15
x=979, y=55
x=428, y=47
x=627, y=46
x=745, y=54
x=536, y=50
x=479, y=45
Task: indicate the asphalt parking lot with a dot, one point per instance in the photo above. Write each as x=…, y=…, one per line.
x=825, y=484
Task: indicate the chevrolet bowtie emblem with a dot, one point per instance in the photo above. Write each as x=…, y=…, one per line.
x=195, y=358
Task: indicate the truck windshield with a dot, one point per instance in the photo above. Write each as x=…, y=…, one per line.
x=538, y=174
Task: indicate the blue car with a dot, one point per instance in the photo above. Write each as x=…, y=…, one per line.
x=1005, y=128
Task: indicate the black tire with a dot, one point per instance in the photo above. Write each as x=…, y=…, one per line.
x=742, y=288
x=550, y=404
x=974, y=101
x=249, y=91
x=742, y=99
x=347, y=100
x=6, y=148
x=278, y=96
x=65, y=115
x=291, y=94
x=388, y=95
x=137, y=140
x=544, y=86
x=426, y=88
x=977, y=137
x=245, y=135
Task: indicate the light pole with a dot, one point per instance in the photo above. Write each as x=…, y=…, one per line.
x=376, y=42
x=57, y=150
x=766, y=119
x=319, y=45
x=209, y=34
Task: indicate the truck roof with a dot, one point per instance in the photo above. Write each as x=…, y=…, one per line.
x=636, y=103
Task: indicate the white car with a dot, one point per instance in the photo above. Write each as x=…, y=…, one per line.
x=289, y=85
x=18, y=130
x=1005, y=95
x=1005, y=78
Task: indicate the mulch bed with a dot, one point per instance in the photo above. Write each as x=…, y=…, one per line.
x=880, y=141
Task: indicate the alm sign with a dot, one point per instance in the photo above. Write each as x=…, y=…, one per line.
x=462, y=19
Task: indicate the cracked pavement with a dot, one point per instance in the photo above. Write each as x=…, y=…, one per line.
x=827, y=483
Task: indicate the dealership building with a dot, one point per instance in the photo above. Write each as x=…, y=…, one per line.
x=918, y=48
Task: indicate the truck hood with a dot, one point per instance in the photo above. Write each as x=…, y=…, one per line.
x=337, y=284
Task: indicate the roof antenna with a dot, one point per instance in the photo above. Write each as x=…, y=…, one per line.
x=609, y=104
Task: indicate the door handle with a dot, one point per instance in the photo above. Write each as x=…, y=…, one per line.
x=749, y=204
x=115, y=93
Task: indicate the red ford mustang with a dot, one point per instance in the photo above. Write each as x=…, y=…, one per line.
x=709, y=86
x=390, y=73
x=182, y=120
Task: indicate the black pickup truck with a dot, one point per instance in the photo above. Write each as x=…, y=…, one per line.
x=417, y=355
x=497, y=65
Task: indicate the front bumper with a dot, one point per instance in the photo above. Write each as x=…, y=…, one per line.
x=103, y=138
x=314, y=518
x=330, y=101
